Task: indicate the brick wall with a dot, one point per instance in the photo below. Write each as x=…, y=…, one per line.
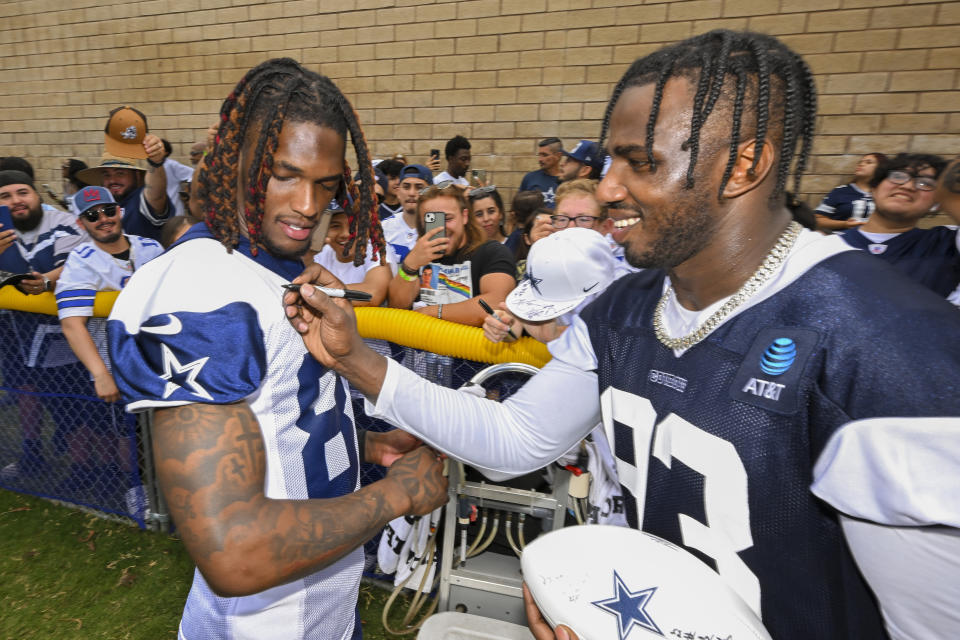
x=504, y=73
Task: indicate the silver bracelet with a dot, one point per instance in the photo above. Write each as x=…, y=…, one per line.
x=439, y=312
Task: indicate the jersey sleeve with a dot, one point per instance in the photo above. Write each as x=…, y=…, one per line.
x=69, y=236
x=78, y=284
x=554, y=410
x=156, y=218
x=832, y=205
x=179, y=357
x=177, y=338
x=894, y=471
x=148, y=249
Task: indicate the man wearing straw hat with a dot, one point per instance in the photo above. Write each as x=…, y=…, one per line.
x=141, y=191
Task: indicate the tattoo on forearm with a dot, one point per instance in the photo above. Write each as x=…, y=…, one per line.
x=212, y=464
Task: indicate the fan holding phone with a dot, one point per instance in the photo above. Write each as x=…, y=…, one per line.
x=457, y=153
x=451, y=262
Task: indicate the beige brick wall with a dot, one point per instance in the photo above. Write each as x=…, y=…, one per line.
x=501, y=72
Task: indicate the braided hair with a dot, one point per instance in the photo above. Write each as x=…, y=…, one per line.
x=275, y=92
x=771, y=81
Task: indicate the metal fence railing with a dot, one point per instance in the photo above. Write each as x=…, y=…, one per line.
x=59, y=441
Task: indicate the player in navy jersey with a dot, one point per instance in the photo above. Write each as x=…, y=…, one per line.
x=722, y=372
x=904, y=193
x=254, y=441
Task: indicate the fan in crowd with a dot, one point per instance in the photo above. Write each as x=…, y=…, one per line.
x=486, y=206
x=851, y=204
x=463, y=263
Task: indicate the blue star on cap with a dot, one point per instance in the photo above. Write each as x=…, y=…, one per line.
x=629, y=607
x=534, y=281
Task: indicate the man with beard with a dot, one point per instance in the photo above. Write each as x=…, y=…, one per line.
x=583, y=161
x=254, y=441
x=35, y=355
x=140, y=192
x=103, y=264
x=758, y=382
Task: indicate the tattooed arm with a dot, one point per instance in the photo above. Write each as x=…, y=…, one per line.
x=211, y=466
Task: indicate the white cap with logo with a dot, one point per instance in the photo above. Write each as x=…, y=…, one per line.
x=562, y=270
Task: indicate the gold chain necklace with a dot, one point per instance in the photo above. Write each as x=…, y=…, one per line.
x=770, y=263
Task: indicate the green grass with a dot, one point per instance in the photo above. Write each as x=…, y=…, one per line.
x=68, y=574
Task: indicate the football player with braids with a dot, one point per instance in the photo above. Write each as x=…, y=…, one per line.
x=254, y=441
x=759, y=382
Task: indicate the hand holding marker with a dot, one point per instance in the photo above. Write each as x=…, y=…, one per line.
x=348, y=294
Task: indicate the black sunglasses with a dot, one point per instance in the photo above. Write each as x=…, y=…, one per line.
x=93, y=214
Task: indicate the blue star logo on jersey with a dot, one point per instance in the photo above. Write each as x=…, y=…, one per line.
x=179, y=375
x=549, y=197
x=534, y=281
x=630, y=607
x=779, y=357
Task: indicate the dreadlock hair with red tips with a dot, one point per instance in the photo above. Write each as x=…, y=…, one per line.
x=271, y=94
x=770, y=96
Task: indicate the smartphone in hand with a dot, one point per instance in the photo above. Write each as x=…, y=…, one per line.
x=435, y=220
x=5, y=218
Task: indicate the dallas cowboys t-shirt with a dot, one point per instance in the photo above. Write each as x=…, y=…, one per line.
x=543, y=182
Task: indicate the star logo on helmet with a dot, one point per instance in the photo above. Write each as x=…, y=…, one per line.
x=630, y=608
x=534, y=281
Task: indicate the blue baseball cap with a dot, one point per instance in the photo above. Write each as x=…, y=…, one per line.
x=416, y=171
x=585, y=152
x=91, y=197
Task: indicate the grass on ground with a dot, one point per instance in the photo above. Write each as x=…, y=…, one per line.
x=68, y=574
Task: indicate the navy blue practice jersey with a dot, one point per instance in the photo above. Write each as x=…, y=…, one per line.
x=715, y=448
x=928, y=256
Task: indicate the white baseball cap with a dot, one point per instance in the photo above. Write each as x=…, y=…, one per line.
x=562, y=270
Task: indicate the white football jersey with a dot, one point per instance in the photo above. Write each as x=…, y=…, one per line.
x=200, y=325
x=399, y=238
x=89, y=269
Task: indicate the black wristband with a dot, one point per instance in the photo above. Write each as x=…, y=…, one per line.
x=155, y=165
x=413, y=273
x=362, y=444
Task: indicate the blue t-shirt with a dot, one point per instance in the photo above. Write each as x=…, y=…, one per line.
x=543, y=182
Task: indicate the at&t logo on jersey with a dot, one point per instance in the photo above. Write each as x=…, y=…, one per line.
x=779, y=357
x=770, y=374
x=763, y=389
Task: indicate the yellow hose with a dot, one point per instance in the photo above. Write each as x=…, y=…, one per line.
x=407, y=328
x=416, y=330
x=11, y=298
